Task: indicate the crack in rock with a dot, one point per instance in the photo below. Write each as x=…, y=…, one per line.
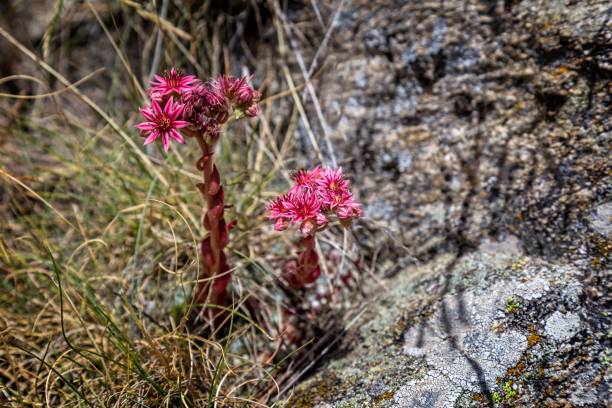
x=473, y=354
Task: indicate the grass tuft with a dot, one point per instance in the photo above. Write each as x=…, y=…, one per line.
x=99, y=239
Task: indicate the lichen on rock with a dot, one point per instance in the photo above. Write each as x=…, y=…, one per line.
x=561, y=326
x=462, y=347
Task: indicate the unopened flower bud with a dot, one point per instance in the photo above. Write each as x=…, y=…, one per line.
x=253, y=111
x=281, y=224
x=308, y=227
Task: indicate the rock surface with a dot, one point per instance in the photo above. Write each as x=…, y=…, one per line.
x=468, y=123
x=508, y=330
x=467, y=119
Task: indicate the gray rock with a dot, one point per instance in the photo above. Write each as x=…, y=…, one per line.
x=451, y=357
x=561, y=326
x=601, y=219
x=484, y=332
x=503, y=108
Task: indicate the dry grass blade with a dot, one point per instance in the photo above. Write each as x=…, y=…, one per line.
x=155, y=18
x=309, y=87
x=88, y=101
x=118, y=52
x=48, y=94
x=37, y=196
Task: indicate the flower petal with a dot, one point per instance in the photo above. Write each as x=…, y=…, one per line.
x=188, y=79
x=152, y=137
x=169, y=108
x=166, y=142
x=157, y=111
x=180, y=124
x=156, y=96
x=176, y=112
x=176, y=136
x=148, y=113
x=146, y=126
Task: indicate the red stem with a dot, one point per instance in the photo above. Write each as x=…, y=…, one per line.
x=307, y=269
x=214, y=263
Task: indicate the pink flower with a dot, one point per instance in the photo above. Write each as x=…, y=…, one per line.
x=223, y=85
x=243, y=93
x=277, y=208
x=349, y=209
x=162, y=124
x=170, y=82
x=306, y=179
x=202, y=107
x=332, y=181
x=205, y=99
x=342, y=203
x=334, y=198
x=317, y=195
x=302, y=206
x=321, y=219
x=239, y=93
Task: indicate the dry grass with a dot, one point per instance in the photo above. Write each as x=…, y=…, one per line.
x=99, y=239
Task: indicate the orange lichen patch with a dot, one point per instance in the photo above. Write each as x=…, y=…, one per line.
x=399, y=328
x=595, y=262
x=563, y=69
x=387, y=395
x=604, y=246
x=517, y=370
x=478, y=397
x=533, y=337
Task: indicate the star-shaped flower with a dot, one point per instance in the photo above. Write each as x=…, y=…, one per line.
x=162, y=124
x=170, y=82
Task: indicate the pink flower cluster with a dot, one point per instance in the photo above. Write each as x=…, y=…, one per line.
x=195, y=105
x=317, y=195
